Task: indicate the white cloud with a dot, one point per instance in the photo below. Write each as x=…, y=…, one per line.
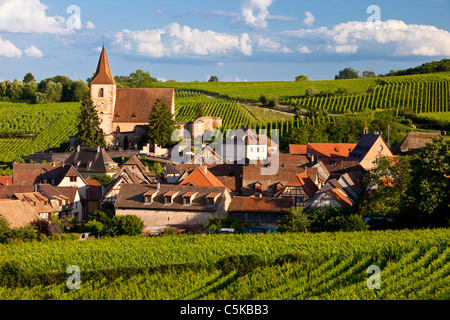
x=8, y=49
x=29, y=16
x=269, y=45
x=391, y=38
x=255, y=13
x=175, y=40
x=90, y=25
x=304, y=50
x=309, y=20
x=34, y=52
x=220, y=64
x=245, y=44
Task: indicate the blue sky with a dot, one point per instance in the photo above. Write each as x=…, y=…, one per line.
x=237, y=40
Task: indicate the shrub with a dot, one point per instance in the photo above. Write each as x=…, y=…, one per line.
x=25, y=234
x=243, y=264
x=5, y=230
x=299, y=256
x=296, y=221
x=130, y=225
x=12, y=273
x=216, y=223
x=94, y=226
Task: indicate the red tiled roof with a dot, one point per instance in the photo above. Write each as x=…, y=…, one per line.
x=298, y=149
x=135, y=104
x=302, y=180
x=93, y=182
x=200, y=178
x=151, y=192
x=189, y=194
x=6, y=181
x=213, y=195
x=340, y=197
x=331, y=150
x=103, y=74
x=170, y=193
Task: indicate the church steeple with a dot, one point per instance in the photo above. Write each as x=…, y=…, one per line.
x=103, y=74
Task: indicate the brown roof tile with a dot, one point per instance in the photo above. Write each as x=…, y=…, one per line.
x=135, y=104
x=260, y=205
x=103, y=74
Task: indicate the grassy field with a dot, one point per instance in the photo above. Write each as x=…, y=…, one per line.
x=413, y=264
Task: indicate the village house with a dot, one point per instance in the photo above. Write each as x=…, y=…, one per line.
x=328, y=153
x=132, y=172
x=186, y=207
x=265, y=212
x=93, y=161
x=300, y=188
x=17, y=213
x=414, y=142
x=57, y=175
x=368, y=149
x=335, y=197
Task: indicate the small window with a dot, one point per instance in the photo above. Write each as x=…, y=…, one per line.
x=168, y=199
x=101, y=93
x=118, y=129
x=187, y=200
x=73, y=179
x=148, y=200
x=210, y=202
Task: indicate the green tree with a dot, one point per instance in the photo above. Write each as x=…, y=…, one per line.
x=89, y=132
x=295, y=221
x=347, y=73
x=213, y=79
x=28, y=78
x=161, y=124
x=301, y=78
x=428, y=194
x=389, y=182
x=141, y=79
x=200, y=110
x=95, y=227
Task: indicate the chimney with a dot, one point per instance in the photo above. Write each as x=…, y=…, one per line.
x=158, y=186
x=205, y=170
x=78, y=148
x=98, y=149
x=54, y=164
x=35, y=187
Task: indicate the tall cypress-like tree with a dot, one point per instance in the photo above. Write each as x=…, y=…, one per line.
x=161, y=124
x=89, y=132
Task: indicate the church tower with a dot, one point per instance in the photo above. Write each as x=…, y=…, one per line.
x=103, y=94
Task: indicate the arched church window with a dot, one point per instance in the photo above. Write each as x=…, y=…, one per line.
x=101, y=93
x=118, y=129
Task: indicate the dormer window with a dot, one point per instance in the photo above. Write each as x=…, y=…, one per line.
x=211, y=199
x=188, y=198
x=133, y=115
x=169, y=196
x=73, y=179
x=150, y=195
x=101, y=93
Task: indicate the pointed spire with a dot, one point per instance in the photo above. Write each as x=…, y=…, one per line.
x=103, y=74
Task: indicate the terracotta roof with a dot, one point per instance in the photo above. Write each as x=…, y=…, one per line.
x=200, y=178
x=302, y=180
x=131, y=196
x=189, y=194
x=135, y=104
x=17, y=213
x=93, y=182
x=340, y=197
x=296, y=149
x=6, y=181
x=151, y=192
x=331, y=150
x=260, y=205
x=35, y=201
x=7, y=192
x=170, y=193
x=213, y=195
x=103, y=74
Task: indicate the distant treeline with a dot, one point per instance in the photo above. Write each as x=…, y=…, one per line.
x=429, y=67
x=55, y=89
